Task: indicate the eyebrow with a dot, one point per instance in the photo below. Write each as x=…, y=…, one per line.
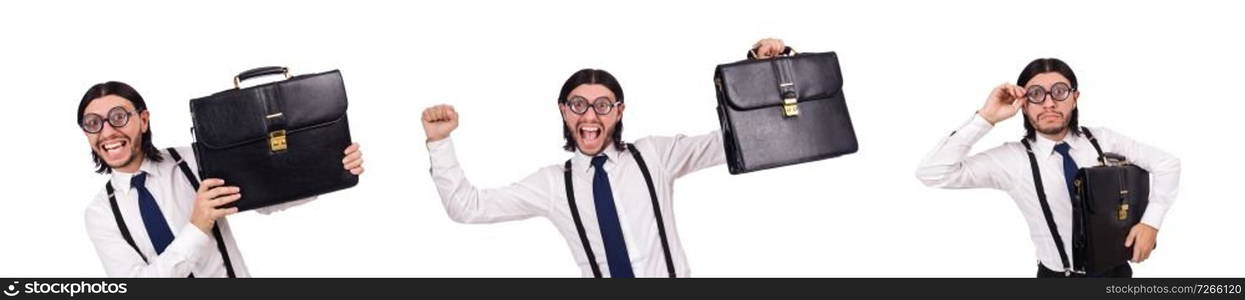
x=572, y=97
x=84, y=112
x=1051, y=85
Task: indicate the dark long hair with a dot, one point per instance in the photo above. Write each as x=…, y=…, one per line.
x=119, y=89
x=1043, y=65
x=591, y=76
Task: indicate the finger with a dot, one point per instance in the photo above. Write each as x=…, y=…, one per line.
x=1145, y=254
x=443, y=113
x=437, y=113
x=1136, y=254
x=210, y=183
x=351, y=157
x=352, y=153
x=218, y=192
x=217, y=202
x=357, y=171
x=450, y=113
x=1001, y=91
x=354, y=164
x=1132, y=236
x=354, y=147
x=434, y=114
x=430, y=114
x=221, y=213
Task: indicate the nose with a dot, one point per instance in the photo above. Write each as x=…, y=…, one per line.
x=107, y=130
x=1048, y=102
x=590, y=115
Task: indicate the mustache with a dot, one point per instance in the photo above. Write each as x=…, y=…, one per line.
x=1060, y=114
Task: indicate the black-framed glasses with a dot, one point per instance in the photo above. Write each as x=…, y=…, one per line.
x=1037, y=94
x=603, y=105
x=117, y=117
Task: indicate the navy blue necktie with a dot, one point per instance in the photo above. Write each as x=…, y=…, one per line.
x=607, y=218
x=157, y=228
x=1069, y=167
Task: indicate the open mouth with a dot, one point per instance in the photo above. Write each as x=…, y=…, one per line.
x=113, y=147
x=590, y=133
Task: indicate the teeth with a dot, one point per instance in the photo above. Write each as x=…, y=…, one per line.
x=113, y=146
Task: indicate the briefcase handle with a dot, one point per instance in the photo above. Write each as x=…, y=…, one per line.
x=788, y=51
x=261, y=71
x=1113, y=159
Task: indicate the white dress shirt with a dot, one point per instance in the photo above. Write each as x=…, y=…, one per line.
x=1007, y=168
x=192, y=250
x=543, y=194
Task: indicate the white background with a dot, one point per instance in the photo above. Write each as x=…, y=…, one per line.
x=1164, y=73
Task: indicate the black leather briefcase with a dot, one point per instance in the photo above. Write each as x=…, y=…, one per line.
x=782, y=111
x=1110, y=199
x=1107, y=201
x=279, y=141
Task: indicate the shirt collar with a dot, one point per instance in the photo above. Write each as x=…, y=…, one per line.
x=1047, y=146
x=121, y=180
x=582, y=162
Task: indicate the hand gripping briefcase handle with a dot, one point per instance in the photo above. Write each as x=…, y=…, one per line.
x=788, y=51
x=261, y=71
x=786, y=85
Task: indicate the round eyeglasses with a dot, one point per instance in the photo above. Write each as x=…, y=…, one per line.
x=1037, y=94
x=117, y=117
x=603, y=105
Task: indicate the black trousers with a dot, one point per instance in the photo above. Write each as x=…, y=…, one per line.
x=1123, y=271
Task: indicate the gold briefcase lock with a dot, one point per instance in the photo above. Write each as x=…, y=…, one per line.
x=276, y=141
x=789, y=108
x=1123, y=212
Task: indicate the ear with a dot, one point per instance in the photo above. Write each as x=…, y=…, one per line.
x=620, y=108
x=145, y=117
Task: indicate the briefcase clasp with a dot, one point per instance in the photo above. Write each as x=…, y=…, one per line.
x=789, y=108
x=276, y=141
x=1123, y=211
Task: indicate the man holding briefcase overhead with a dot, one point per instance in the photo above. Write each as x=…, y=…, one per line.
x=1058, y=152
x=149, y=220
x=611, y=200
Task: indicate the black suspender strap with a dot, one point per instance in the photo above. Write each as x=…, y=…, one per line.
x=220, y=240
x=194, y=182
x=125, y=230
x=1050, y=219
x=116, y=213
x=652, y=192
x=1094, y=142
x=579, y=225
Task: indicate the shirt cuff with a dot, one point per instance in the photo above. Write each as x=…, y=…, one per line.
x=441, y=153
x=191, y=242
x=974, y=130
x=1154, y=214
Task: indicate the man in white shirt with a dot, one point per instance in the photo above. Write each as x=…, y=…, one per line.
x=611, y=200
x=149, y=220
x=1046, y=92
